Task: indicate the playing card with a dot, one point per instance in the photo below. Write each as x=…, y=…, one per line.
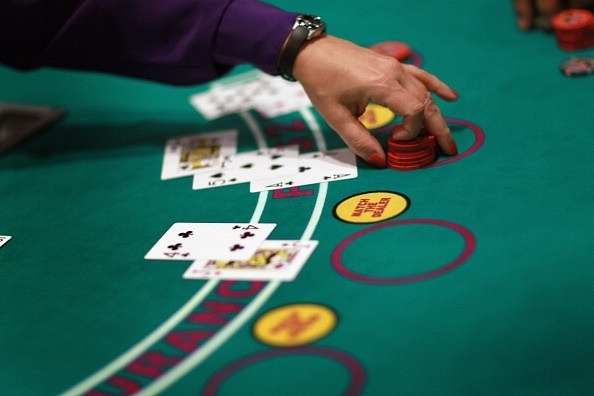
x=220, y=241
x=4, y=239
x=274, y=260
x=282, y=97
x=230, y=98
x=269, y=95
x=317, y=167
x=248, y=166
x=185, y=155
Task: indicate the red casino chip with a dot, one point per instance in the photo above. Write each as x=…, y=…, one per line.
x=396, y=49
x=412, y=154
x=574, y=29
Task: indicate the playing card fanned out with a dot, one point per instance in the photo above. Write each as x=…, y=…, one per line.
x=269, y=95
x=248, y=166
x=316, y=167
x=186, y=155
x=274, y=260
x=217, y=241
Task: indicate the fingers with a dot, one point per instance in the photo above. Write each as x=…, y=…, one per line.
x=418, y=109
x=546, y=9
x=341, y=78
x=432, y=83
x=437, y=126
x=536, y=13
x=355, y=135
x=407, y=102
x=524, y=13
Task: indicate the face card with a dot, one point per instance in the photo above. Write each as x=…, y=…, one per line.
x=4, y=239
x=186, y=155
x=317, y=167
x=245, y=167
x=274, y=260
x=220, y=241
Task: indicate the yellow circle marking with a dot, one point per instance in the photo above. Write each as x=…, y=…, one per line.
x=371, y=207
x=376, y=116
x=295, y=325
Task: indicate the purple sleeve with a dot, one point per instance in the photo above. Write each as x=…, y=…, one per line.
x=178, y=42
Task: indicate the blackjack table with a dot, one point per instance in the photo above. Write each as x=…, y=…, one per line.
x=473, y=275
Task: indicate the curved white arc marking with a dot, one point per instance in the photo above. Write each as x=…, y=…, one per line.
x=313, y=124
x=232, y=327
x=143, y=345
x=138, y=349
x=221, y=337
x=255, y=128
x=246, y=314
x=196, y=357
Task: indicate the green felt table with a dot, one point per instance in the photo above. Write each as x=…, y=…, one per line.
x=482, y=285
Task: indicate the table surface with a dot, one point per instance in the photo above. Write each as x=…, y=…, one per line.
x=483, y=285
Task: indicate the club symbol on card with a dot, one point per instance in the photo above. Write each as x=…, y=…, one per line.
x=303, y=169
x=275, y=167
x=175, y=247
x=246, y=235
x=275, y=156
x=247, y=166
x=236, y=247
x=186, y=234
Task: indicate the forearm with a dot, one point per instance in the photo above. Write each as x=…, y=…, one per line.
x=176, y=41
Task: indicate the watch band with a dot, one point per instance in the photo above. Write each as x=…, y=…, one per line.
x=287, y=60
x=306, y=27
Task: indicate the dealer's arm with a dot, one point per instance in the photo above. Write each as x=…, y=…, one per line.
x=185, y=42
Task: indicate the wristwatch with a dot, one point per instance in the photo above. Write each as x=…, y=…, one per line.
x=306, y=27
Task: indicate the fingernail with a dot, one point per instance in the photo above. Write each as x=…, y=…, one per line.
x=377, y=161
x=457, y=94
x=453, y=148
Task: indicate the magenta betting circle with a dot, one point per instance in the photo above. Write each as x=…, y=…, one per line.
x=469, y=247
x=356, y=372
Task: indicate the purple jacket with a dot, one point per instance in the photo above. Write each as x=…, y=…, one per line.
x=178, y=42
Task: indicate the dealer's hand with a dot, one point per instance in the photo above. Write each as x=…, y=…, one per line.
x=537, y=13
x=341, y=78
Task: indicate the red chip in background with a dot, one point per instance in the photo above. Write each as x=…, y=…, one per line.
x=396, y=49
x=574, y=29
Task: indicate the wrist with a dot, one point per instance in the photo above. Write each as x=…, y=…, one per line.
x=306, y=28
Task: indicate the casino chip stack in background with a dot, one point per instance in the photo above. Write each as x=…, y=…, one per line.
x=396, y=49
x=412, y=154
x=574, y=29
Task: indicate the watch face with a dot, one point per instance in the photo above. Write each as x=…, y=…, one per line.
x=314, y=24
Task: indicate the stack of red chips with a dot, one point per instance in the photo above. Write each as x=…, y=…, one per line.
x=412, y=154
x=574, y=29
